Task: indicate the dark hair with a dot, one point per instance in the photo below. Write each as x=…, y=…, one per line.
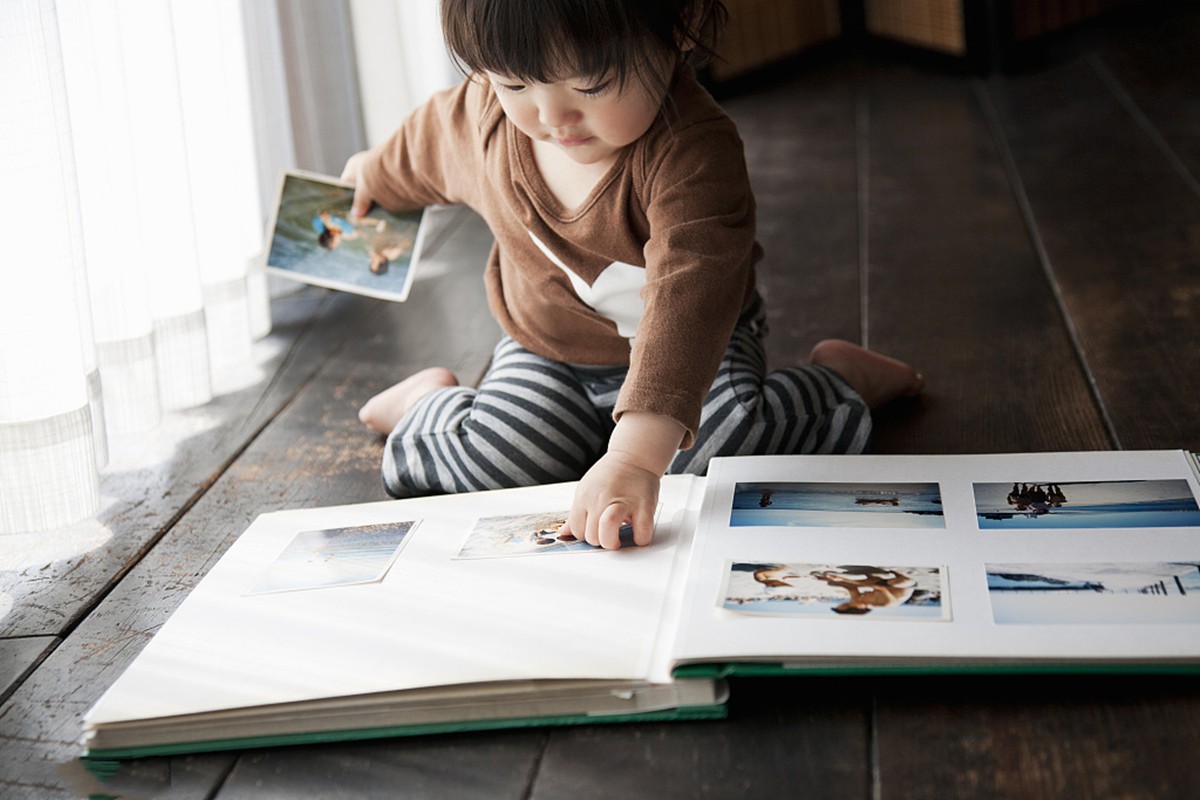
x=546, y=40
x=846, y=608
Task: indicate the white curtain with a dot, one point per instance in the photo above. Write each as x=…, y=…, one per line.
x=141, y=145
x=130, y=196
x=395, y=79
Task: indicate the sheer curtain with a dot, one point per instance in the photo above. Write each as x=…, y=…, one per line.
x=393, y=80
x=141, y=142
x=129, y=192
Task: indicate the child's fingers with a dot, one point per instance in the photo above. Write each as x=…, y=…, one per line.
x=643, y=527
x=361, y=203
x=351, y=173
x=566, y=530
x=576, y=523
x=609, y=526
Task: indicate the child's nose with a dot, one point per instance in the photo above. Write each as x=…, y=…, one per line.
x=557, y=112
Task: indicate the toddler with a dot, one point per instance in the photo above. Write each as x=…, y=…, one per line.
x=623, y=273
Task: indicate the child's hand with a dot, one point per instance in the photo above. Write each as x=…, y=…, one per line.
x=613, y=492
x=352, y=173
x=623, y=485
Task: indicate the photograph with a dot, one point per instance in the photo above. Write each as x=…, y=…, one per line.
x=335, y=557
x=837, y=505
x=1087, y=504
x=525, y=535
x=312, y=239
x=1140, y=593
x=836, y=592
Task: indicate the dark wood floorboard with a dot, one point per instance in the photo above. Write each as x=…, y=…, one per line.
x=494, y=766
x=1119, y=226
x=1152, y=68
x=779, y=737
x=955, y=287
x=19, y=655
x=1007, y=737
x=802, y=153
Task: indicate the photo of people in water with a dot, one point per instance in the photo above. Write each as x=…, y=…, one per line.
x=527, y=534
x=1088, y=504
x=844, y=591
x=313, y=239
x=1135, y=593
x=837, y=505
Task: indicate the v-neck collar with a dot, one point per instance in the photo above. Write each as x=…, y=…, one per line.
x=521, y=150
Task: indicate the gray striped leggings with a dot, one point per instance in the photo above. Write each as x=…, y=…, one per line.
x=533, y=420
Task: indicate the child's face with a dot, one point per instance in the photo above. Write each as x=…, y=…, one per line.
x=589, y=120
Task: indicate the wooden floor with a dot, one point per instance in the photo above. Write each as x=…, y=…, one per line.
x=1030, y=241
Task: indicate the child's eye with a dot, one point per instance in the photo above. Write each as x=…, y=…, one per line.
x=596, y=91
x=505, y=83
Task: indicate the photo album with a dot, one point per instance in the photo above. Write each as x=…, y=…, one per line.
x=471, y=611
x=313, y=239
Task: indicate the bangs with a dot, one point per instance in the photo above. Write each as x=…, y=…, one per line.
x=543, y=41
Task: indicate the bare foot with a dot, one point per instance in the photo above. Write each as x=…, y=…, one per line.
x=384, y=410
x=877, y=378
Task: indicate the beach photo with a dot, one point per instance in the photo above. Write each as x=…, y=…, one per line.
x=1139, y=593
x=312, y=239
x=837, y=505
x=846, y=591
x=321, y=559
x=527, y=535
x=1086, y=504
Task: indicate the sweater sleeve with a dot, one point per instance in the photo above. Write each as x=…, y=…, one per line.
x=700, y=270
x=427, y=160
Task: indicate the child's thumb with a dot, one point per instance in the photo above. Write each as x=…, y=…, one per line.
x=361, y=203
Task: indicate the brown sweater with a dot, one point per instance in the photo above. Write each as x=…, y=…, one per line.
x=651, y=270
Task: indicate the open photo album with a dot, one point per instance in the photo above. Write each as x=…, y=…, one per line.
x=312, y=238
x=471, y=611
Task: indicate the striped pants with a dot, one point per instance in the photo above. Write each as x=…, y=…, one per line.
x=533, y=420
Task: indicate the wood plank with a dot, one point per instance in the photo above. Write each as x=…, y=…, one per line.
x=955, y=287
x=1119, y=226
x=19, y=656
x=801, y=152
x=1151, y=67
x=783, y=738
x=182, y=778
x=492, y=766
x=1014, y=737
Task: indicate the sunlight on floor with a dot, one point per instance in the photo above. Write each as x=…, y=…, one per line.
x=147, y=461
